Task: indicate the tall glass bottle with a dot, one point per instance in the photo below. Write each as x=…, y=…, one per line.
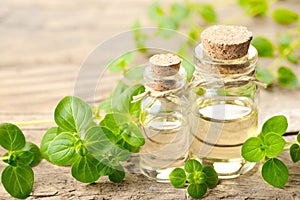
x=224, y=107
x=164, y=121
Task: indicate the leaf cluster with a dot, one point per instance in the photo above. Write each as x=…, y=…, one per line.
x=199, y=177
x=93, y=150
x=18, y=177
x=267, y=146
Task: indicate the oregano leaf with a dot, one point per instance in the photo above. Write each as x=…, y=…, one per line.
x=211, y=176
x=287, y=78
x=274, y=144
x=253, y=149
x=117, y=175
x=197, y=191
x=292, y=58
x=264, y=75
x=135, y=73
x=48, y=137
x=18, y=181
x=275, y=172
x=24, y=157
x=255, y=7
x=264, y=46
x=192, y=166
x=85, y=169
x=61, y=150
x=285, y=16
x=37, y=157
x=98, y=140
x=132, y=134
x=11, y=137
x=276, y=124
x=295, y=152
x=207, y=12
x=72, y=114
x=178, y=178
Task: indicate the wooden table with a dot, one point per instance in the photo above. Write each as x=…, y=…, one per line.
x=42, y=46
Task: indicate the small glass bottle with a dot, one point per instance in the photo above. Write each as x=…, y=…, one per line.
x=164, y=117
x=224, y=107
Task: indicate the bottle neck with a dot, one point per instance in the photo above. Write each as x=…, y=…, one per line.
x=164, y=83
x=227, y=73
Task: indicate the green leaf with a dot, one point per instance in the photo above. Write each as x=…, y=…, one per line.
x=121, y=62
x=32, y=148
x=208, y=13
x=179, y=11
x=120, y=154
x=106, y=105
x=167, y=26
x=73, y=114
x=274, y=144
x=275, y=173
x=211, y=176
x=192, y=166
x=61, y=150
x=135, y=73
x=11, y=137
x=98, y=140
x=264, y=46
x=114, y=121
x=254, y=7
x=295, y=152
x=285, y=16
x=155, y=11
x=123, y=144
x=139, y=37
x=24, y=157
x=46, y=141
x=287, y=78
x=264, y=75
x=292, y=58
x=18, y=181
x=253, y=149
x=284, y=43
x=178, y=178
x=298, y=137
x=197, y=191
x=85, y=169
x=186, y=61
x=276, y=124
x=132, y=134
x=121, y=101
x=117, y=175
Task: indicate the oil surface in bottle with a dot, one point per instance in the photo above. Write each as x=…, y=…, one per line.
x=220, y=129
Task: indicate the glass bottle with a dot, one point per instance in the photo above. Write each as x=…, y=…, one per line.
x=164, y=118
x=224, y=108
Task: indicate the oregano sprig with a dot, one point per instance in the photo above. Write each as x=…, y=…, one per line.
x=199, y=177
x=266, y=147
x=18, y=177
x=92, y=150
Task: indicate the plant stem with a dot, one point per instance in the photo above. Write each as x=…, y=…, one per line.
x=275, y=63
x=26, y=123
x=4, y=158
x=289, y=143
x=286, y=149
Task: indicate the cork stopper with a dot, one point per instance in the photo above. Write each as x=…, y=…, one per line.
x=165, y=64
x=225, y=42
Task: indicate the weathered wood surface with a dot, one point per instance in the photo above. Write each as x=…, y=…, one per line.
x=42, y=46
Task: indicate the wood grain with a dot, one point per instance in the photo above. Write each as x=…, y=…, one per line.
x=42, y=47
